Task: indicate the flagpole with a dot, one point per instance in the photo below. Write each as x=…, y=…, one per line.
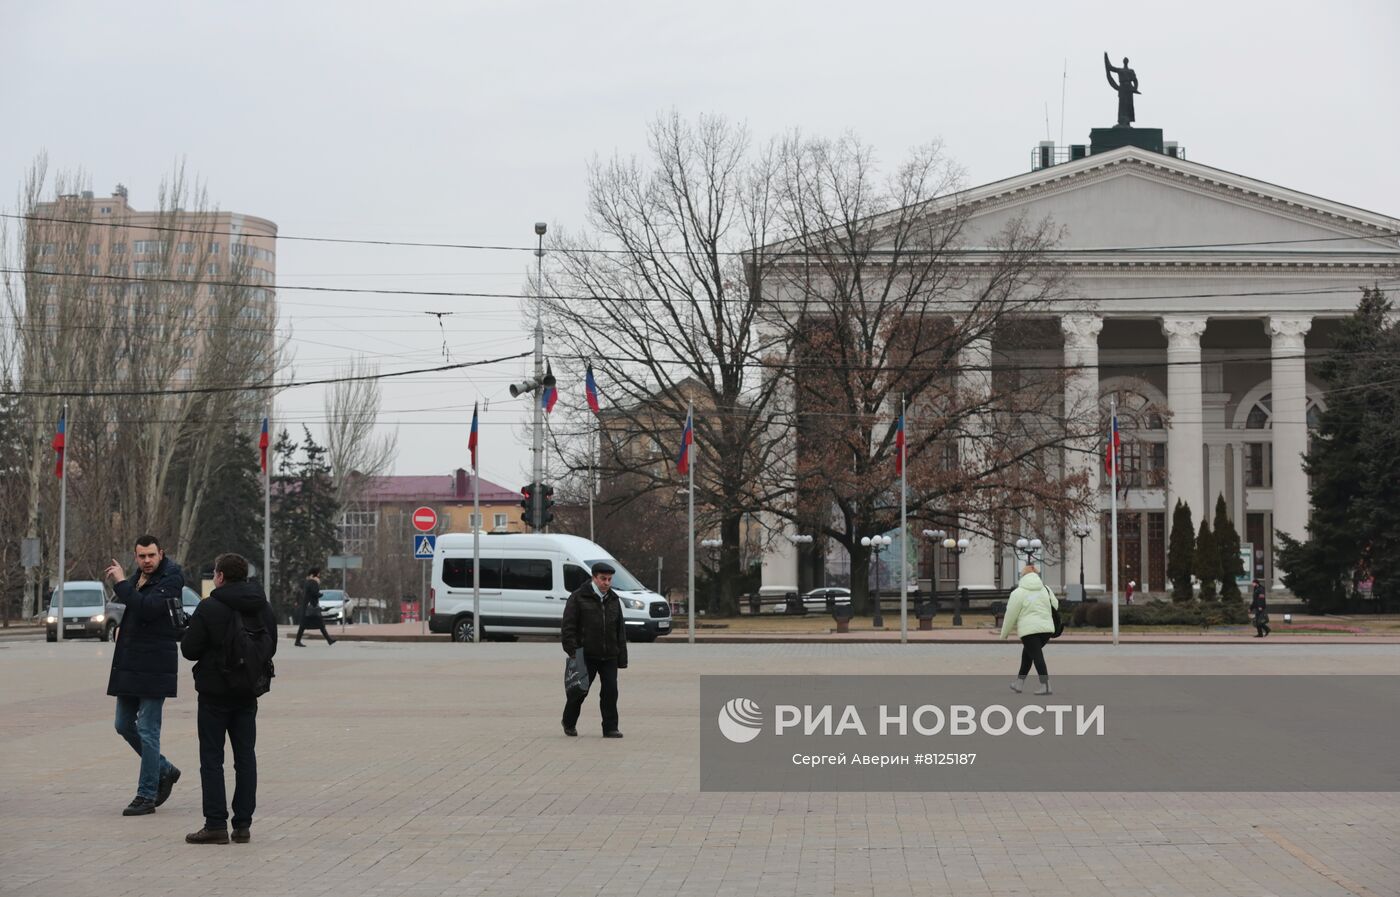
x=690, y=516
x=1113, y=505
x=592, y=449
x=62, y=526
x=476, y=554
x=903, y=528
x=267, y=504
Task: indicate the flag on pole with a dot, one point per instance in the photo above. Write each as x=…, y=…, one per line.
x=687, y=438
x=899, y=446
x=471, y=440
x=59, y=441
x=549, y=394
x=1112, y=458
x=262, y=446
x=591, y=387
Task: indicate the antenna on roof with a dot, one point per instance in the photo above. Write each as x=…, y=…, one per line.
x=1047, y=119
x=1064, y=80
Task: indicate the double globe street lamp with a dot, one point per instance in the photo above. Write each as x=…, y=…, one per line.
x=1081, y=532
x=1029, y=548
x=876, y=544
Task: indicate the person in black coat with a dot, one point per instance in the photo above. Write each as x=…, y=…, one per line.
x=593, y=621
x=1260, y=609
x=145, y=666
x=223, y=711
x=311, y=607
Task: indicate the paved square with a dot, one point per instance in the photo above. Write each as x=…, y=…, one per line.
x=427, y=769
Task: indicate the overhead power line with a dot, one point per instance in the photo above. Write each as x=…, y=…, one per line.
x=738, y=253
x=258, y=386
x=379, y=291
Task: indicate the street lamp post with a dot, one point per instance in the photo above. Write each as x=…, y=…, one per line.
x=876, y=544
x=1081, y=531
x=957, y=546
x=713, y=546
x=1028, y=547
x=936, y=536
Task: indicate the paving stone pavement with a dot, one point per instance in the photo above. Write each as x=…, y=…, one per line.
x=428, y=769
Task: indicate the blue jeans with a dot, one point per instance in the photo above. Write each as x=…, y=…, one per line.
x=138, y=721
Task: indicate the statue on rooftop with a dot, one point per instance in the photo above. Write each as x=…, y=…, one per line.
x=1126, y=85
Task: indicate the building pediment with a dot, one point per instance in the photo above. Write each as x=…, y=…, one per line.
x=1140, y=200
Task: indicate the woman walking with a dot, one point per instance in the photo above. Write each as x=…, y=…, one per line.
x=1029, y=614
x=311, y=607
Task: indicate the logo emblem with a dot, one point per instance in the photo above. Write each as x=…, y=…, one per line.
x=740, y=720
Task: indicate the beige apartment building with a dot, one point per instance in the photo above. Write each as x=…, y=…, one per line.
x=170, y=269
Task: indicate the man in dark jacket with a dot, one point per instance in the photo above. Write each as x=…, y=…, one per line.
x=1260, y=608
x=223, y=709
x=593, y=622
x=145, y=666
x=311, y=607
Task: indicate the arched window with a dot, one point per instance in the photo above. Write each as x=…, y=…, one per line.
x=1261, y=416
x=1143, y=432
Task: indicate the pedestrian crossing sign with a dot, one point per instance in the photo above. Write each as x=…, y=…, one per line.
x=423, y=546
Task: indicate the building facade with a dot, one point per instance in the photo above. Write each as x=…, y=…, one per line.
x=386, y=504
x=161, y=269
x=1196, y=298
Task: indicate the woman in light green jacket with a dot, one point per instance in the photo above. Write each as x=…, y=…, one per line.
x=1028, y=614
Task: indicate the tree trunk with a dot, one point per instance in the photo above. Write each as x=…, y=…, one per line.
x=860, y=578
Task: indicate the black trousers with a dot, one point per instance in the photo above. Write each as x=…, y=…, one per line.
x=1032, y=652
x=606, y=672
x=1261, y=627
x=239, y=722
x=317, y=621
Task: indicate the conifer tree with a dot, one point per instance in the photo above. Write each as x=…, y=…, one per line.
x=1227, y=542
x=1181, y=553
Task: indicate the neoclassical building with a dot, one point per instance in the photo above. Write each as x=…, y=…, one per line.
x=1197, y=295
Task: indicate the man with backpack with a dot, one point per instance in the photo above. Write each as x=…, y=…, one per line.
x=232, y=637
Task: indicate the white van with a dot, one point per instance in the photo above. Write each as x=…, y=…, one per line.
x=525, y=580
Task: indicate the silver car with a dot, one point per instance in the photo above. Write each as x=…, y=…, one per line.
x=337, y=606
x=88, y=611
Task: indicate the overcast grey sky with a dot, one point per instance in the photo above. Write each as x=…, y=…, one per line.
x=467, y=122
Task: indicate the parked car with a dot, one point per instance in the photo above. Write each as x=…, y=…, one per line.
x=822, y=600
x=88, y=611
x=337, y=606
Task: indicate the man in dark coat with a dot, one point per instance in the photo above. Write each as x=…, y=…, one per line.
x=1260, y=609
x=145, y=665
x=223, y=710
x=311, y=607
x=593, y=622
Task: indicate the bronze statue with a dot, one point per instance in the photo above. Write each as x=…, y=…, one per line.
x=1126, y=85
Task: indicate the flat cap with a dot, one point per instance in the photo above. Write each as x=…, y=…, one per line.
x=604, y=567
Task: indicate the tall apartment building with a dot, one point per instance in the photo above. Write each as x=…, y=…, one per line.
x=160, y=271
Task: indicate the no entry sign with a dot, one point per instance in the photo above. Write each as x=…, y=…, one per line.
x=424, y=519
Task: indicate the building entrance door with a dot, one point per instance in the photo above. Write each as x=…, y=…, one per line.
x=1129, y=549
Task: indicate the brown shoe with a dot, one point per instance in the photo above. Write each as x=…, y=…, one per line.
x=208, y=835
x=242, y=836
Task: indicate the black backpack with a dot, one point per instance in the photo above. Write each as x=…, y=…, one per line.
x=248, y=655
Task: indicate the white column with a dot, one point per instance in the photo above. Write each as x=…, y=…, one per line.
x=1237, y=507
x=779, y=570
x=1082, y=409
x=977, y=569
x=1290, y=429
x=1185, y=473
x=1216, y=485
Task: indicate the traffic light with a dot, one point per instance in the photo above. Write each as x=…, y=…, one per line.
x=528, y=503
x=547, y=503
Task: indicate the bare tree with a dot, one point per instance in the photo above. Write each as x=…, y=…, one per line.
x=159, y=335
x=354, y=447
x=881, y=300
x=654, y=296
